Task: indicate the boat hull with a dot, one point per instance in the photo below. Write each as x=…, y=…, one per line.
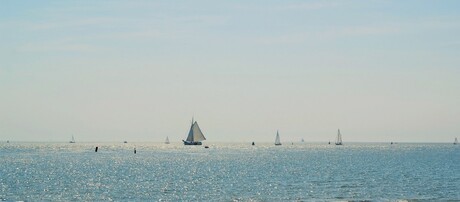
x=191, y=143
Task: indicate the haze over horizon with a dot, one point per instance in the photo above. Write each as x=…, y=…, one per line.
x=379, y=70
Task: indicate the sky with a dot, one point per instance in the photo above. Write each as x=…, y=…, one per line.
x=380, y=70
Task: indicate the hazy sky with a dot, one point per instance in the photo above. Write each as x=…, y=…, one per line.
x=379, y=70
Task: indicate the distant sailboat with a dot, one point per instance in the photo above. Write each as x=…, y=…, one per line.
x=167, y=140
x=277, y=139
x=302, y=140
x=195, y=136
x=455, y=141
x=339, y=138
x=73, y=140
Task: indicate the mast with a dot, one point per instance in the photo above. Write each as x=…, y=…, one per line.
x=339, y=138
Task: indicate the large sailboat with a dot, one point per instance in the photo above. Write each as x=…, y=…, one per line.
x=167, y=140
x=73, y=140
x=277, y=139
x=455, y=141
x=195, y=136
x=339, y=138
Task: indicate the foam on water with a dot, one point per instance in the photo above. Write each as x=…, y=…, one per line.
x=63, y=172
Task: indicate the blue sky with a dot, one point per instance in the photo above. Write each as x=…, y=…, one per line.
x=139, y=70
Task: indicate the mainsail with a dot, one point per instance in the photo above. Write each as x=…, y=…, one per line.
x=339, y=138
x=195, y=134
x=277, y=139
x=167, y=140
x=73, y=140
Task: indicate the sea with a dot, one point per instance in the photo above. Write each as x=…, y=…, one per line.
x=229, y=172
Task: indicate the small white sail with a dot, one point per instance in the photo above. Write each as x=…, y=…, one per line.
x=277, y=139
x=167, y=140
x=339, y=138
x=73, y=140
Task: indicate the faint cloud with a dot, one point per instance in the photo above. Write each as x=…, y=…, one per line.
x=364, y=31
x=310, y=5
x=72, y=23
x=146, y=34
x=59, y=48
x=203, y=19
x=291, y=7
x=439, y=24
x=331, y=33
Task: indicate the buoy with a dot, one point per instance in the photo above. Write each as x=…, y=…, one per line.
x=96, y=149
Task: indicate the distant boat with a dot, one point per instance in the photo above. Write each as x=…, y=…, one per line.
x=167, y=140
x=277, y=139
x=125, y=142
x=302, y=140
x=339, y=138
x=455, y=141
x=73, y=140
x=195, y=136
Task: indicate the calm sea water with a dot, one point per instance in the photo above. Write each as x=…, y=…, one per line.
x=229, y=172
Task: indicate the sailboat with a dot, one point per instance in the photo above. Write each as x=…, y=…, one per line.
x=455, y=141
x=167, y=140
x=195, y=136
x=277, y=139
x=339, y=138
x=73, y=140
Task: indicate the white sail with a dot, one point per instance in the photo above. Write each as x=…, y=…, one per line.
x=339, y=138
x=277, y=139
x=73, y=140
x=167, y=140
x=195, y=134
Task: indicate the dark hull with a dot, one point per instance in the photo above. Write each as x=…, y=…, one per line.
x=191, y=143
